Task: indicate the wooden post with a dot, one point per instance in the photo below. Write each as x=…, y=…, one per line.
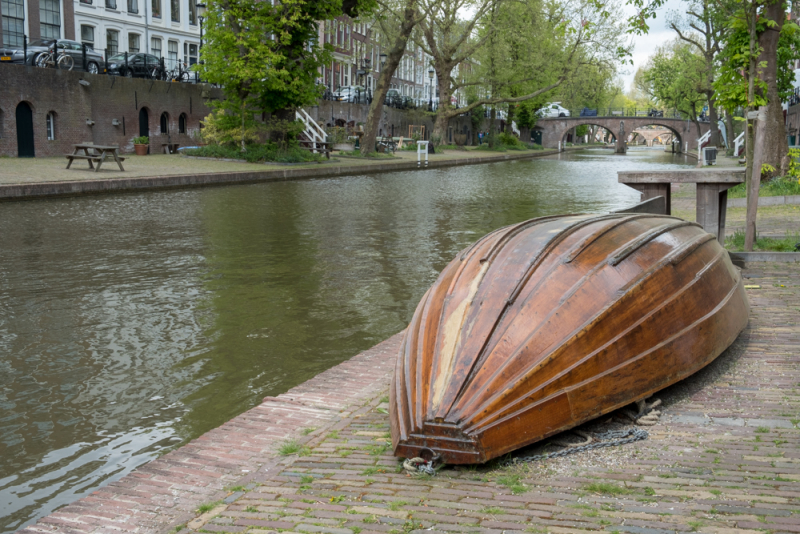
x=758, y=119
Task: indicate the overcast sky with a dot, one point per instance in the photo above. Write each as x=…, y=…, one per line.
x=646, y=45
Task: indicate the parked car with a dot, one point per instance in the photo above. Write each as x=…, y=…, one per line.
x=94, y=60
x=139, y=65
x=350, y=93
x=655, y=113
x=392, y=97
x=553, y=109
x=588, y=112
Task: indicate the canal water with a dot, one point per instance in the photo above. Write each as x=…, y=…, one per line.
x=132, y=323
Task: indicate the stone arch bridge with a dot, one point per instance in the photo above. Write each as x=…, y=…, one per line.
x=555, y=130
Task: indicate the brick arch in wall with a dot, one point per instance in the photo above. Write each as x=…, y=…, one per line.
x=144, y=108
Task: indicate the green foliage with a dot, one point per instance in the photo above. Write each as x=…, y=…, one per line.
x=207, y=507
x=256, y=153
x=786, y=185
x=141, y=140
x=735, y=243
x=293, y=447
x=735, y=60
x=225, y=129
x=675, y=76
x=607, y=488
x=336, y=134
x=581, y=130
x=512, y=482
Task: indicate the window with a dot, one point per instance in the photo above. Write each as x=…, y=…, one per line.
x=182, y=123
x=111, y=4
x=51, y=126
x=164, y=123
x=112, y=42
x=172, y=54
x=192, y=12
x=87, y=35
x=155, y=46
x=50, y=17
x=89, y=2
x=133, y=6
x=156, y=9
x=133, y=43
x=192, y=54
x=175, y=8
x=13, y=22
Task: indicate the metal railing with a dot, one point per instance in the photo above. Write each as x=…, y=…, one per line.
x=621, y=112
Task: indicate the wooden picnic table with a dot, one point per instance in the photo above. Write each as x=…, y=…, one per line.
x=97, y=155
x=712, y=191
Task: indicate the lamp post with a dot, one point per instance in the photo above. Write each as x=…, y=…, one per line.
x=201, y=15
x=430, y=89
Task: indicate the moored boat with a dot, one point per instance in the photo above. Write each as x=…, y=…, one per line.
x=541, y=326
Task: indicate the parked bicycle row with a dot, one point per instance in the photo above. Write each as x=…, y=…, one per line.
x=68, y=55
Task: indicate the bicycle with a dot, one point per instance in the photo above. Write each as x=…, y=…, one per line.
x=64, y=60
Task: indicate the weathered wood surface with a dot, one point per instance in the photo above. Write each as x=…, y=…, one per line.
x=541, y=326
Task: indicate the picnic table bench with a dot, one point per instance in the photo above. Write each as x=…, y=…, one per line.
x=97, y=155
x=712, y=191
x=170, y=148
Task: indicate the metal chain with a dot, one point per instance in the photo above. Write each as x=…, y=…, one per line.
x=615, y=437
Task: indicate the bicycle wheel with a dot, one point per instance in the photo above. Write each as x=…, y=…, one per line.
x=183, y=76
x=42, y=60
x=66, y=62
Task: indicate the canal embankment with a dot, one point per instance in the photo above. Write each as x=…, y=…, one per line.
x=23, y=178
x=723, y=458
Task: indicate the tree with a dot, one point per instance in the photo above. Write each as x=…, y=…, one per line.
x=522, y=49
x=755, y=73
x=396, y=36
x=675, y=76
x=704, y=29
x=265, y=55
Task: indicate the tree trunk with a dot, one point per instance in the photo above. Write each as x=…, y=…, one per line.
x=730, y=131
x=510, y=119
x=492, y=117
x=776, y=146
x=750, y=233
x=382, y=87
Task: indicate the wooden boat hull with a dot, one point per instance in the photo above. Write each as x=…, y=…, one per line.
x=544, y=325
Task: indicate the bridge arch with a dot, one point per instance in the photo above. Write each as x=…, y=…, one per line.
x=555, y=129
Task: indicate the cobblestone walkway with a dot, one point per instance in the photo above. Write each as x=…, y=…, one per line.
x=725, y=457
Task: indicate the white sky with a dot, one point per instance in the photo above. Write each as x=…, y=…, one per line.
x=646, y=45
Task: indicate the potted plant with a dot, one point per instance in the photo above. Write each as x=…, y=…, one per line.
x=141, y=144
x=338, y=137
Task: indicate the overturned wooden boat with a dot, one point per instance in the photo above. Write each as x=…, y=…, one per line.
x=541, y=326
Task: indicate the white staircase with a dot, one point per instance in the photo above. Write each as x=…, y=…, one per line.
x=737, y=143
x=700, y=142
x=312, y=130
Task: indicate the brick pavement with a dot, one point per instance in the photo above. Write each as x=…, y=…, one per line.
x=725, y=457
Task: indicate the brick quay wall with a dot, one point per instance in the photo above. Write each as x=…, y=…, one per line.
x=104, y=100
x=724, y=458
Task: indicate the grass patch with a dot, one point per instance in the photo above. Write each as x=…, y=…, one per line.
x=370, y=155
x=251, y=509
x=607, y=488
x=735, y=243
x=268, y=152
x=774, y=188
x=373, y=471
x=649, y=491
x=762, y=430
x=207, y=507
x=396, y=505
x=334, y=434
x=306, y=479
x=492, y=510
x=293, y=447
x=377, y=450
x=307, y=431
x=513, y=483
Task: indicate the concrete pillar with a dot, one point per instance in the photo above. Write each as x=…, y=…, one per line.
x=622, y=146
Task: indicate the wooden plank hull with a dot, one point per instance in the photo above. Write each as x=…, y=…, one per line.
x=544, y=325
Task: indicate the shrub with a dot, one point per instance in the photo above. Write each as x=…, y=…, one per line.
x=256, y=153
x=141, y=140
